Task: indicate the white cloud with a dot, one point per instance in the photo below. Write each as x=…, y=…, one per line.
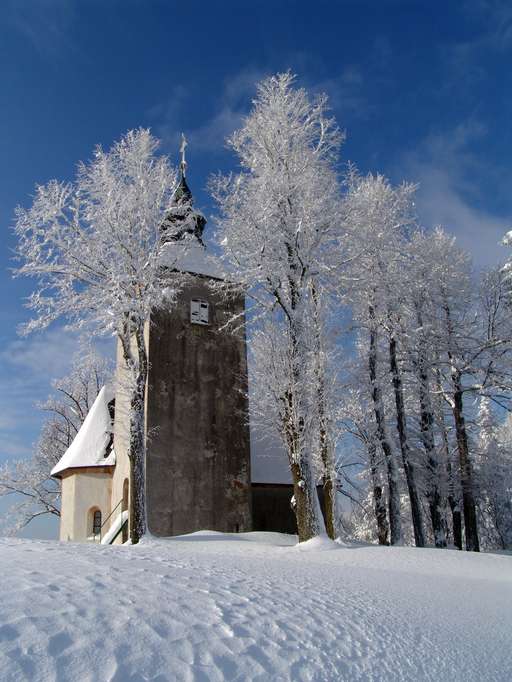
x=28, y=366
x=231, y=105
x=466, y=60
x=44, y=355
x=346, y=93
x=448, y=175
x=44, y=23
x=477, y=231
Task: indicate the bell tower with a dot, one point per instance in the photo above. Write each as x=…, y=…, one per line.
x=198, y=447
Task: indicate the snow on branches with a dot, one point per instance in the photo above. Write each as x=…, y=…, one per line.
x=279, y=219
x=93, y=247
x=28, y=481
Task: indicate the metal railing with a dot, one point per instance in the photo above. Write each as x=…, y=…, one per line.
x=98, y=536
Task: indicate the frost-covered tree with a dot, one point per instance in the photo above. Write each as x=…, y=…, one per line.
x=469, y=336
x=279, y=216
x=420, y=356
x=493, y=472
x=93, y=247
x=28, y=480
x=377, y=216
x=360, y=437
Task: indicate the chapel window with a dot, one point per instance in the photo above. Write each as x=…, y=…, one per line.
x=96, y=523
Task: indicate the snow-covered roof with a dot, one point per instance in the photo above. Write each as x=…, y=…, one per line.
x=189, y=255
x=90, y=443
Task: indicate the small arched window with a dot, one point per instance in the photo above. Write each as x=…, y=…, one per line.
x=96, y=522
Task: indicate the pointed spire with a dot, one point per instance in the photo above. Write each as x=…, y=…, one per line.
x=182, y=219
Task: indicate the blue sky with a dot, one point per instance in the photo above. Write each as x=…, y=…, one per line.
x=421, y=88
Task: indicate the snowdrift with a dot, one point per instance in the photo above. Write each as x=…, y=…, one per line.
x=254, y=606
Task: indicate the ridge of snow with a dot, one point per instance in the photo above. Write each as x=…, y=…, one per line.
x=88, y=446
x=320, y=543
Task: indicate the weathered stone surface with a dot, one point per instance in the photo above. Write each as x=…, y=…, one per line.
x=198, y=452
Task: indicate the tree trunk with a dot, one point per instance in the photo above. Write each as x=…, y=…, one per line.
x=305, y=504
x=409, y=467
x=328, y=477
x=466, y=472
x=137, y=465
x=392, y=469
x=138, y=368
x=328, y=474
x=452, y=501
x=305, y=499
x=456, y=521
x=379, y=505
x=434, y=495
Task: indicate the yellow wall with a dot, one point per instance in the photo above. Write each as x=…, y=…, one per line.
x=83, y=490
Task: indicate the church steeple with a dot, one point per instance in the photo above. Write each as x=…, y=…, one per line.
x=182, y=220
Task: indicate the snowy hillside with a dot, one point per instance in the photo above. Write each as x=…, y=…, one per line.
x=251, y=607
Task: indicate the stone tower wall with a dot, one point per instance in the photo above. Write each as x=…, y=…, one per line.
x=198, y=449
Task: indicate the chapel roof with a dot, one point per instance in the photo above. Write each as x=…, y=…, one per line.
x=91, y=446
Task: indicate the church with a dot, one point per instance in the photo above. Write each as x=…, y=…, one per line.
x=205, y=467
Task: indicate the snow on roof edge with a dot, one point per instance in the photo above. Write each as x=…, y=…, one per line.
x=192, y=258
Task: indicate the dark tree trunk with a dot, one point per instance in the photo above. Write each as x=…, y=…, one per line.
x=392, y=469
x=456, y=521
x=379, y=505
x=466, y=470
x=328, y=475
x=328, y=478
x=138, y=369
x=305, y=497
x=329, y=505
x=409, y=467
x=306, y=505
x=137, y=467
x=435, y=500
x=452, y=500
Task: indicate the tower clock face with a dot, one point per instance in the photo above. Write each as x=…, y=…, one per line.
x=199, y=311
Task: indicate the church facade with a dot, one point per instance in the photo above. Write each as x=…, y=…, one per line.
x=198, y=447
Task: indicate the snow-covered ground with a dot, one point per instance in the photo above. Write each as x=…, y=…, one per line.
x=251, y=607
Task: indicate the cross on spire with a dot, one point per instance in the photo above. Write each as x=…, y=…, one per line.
x=183, y=163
